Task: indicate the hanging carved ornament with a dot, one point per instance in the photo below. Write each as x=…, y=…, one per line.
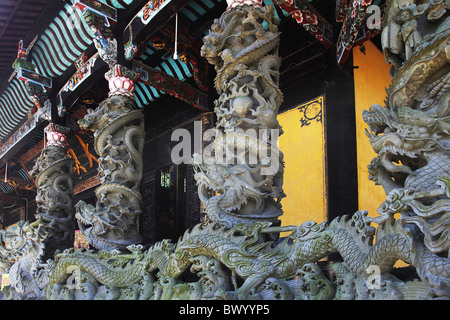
x=37, y=85
x=99, y=16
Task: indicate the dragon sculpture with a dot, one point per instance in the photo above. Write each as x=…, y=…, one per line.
x=23, y=247
x=235, y=188
x=53, y=174
x=411, y=133
x=266, y=270
x=245, y=167
x=238, y=253
x=119, y=141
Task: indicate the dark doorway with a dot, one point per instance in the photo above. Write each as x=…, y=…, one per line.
x=170, y=202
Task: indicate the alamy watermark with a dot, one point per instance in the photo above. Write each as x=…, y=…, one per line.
x=73, y=282
x=373, y=14
x=251, y=147
x=373, y=282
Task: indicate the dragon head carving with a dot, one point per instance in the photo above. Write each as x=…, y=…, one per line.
x=405, y=140
x=235, y=192
x=220, y=178
x=237, y=33
x=23, y=238
x=106, y=112
x=103, y=225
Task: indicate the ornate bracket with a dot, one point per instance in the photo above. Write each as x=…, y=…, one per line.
x=35, y=83
x=99, y=16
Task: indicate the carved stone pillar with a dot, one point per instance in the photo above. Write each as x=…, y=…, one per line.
x=119, y=141
x=410, y=133
x=245, y=167
x=53, y=173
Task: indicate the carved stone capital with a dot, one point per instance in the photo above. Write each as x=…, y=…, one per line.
x=56, y=135
x=121, y=81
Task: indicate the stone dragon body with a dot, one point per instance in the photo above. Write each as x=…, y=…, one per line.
x=241, y=250
x=53, y=174
x=245, y=55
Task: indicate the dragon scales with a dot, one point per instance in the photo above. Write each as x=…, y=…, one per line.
x=119, y=141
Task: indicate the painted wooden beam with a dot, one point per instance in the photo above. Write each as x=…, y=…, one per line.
x=354, y=30
x=86, y=74
x=307, y=16
x=171, y=85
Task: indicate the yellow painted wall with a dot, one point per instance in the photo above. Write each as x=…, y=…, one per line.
x=371, y=80
x=304, y=156
x=304, y=149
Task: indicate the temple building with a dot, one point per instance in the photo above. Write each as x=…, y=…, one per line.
x=137, y=130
